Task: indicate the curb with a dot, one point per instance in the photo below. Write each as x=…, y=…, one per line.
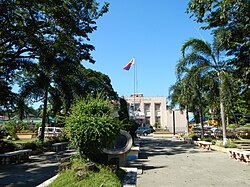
x=48, y=182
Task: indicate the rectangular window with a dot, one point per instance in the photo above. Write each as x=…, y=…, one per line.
x=147, y=120
x=147, y=107
x=157, y=107
x=137, y=106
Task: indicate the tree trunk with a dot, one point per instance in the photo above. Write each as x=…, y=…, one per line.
x=222, y=113
x=45, y=102
x=212, y=114
x=223, y=122
x=187, y=118
x=201, y=121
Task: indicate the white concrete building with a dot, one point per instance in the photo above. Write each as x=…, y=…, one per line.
x=156, y=113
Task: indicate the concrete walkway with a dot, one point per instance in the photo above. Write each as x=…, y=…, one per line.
x=170, y=163
x=32, y=173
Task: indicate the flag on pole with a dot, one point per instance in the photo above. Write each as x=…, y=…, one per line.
x=131, y=63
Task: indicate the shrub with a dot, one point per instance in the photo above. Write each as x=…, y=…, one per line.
x=243, y=132
x=232, y=126
x=91, y=126
x=10, y=128
x=195, y=137
x=247, y=125
x=32, y=145
x=6, y=146
x=230, y=144
x=208, y=139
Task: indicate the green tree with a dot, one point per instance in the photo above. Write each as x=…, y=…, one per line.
x=231, y=20
x=206, y=59
x=46, y=33
x=180, y=94
x=123, y=112
x=91, y=126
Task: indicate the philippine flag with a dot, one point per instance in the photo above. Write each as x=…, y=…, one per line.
x=131, y=63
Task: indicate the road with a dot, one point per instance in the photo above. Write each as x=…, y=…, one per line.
x=170, y=163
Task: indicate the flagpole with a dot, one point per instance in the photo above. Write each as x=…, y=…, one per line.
x=134, y=86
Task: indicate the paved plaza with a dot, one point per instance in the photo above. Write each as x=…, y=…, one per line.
x=30, y=174
x=169, y=163
x=165, y=163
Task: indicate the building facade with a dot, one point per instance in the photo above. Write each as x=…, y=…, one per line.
x=153, y=111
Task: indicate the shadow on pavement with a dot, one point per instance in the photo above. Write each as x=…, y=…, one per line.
x=33, y=172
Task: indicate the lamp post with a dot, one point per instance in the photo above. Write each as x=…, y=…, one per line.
x=173, y=122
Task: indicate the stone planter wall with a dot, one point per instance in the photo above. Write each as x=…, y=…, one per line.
x=26, y=136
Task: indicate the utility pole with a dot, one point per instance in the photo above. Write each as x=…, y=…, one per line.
x=173, y=122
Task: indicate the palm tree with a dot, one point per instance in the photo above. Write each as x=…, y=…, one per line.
x=179, y=94
x=196, y=52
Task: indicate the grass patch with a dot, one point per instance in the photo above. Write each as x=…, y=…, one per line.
x=229, y=144
x=20, y=141
x=105, y=177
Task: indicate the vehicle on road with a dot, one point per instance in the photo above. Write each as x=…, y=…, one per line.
x=143, y=131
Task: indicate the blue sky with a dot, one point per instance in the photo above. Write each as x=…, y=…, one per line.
x=150, y=31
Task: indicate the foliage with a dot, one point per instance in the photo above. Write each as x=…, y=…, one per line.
x=243, y=132
x=123, y=112
x=157, y=125
x=6, y=146
x=230, y=21
x=191, y=135
x=230, y=144
x=10, y=128
x=247, y=125
x=43, y=43
x=32, y=145
x=232, y=126
x=131, y=126
x=105, y=177
x=90, y=125
x=203, y=70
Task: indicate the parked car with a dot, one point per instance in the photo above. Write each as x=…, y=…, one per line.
x=143, y=131
x=50, y=131
x=152, y=129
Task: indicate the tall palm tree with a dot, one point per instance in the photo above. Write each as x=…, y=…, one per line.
x=196, y=52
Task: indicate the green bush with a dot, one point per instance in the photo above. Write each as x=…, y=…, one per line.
x=6, y=146
x=232, y=126
x=247, y=125
x=91, y=126
x=230, y=144
x=10, y=128
x=195, y=137
x=32, y=145
x=208, y=139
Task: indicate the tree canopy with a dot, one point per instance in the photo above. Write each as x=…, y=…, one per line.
x=229, y=19
x=43, y=44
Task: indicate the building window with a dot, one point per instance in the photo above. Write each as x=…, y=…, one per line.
x=147, y=120
x=147, y=107
x=137, y=106
x=157, y=107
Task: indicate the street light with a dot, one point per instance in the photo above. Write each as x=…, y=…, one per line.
x=173, y=122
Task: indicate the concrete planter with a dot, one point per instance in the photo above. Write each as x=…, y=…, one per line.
x=26, y=136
